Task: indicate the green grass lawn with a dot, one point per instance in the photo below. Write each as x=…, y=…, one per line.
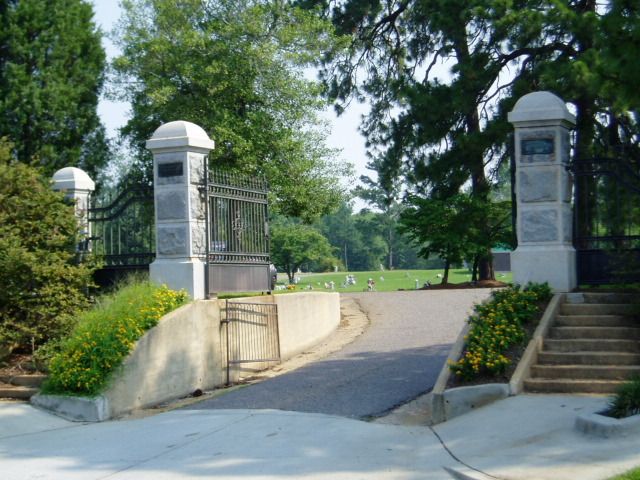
x=630, y=475
x=385, y=281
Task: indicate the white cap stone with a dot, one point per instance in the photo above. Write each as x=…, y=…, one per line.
x=72, y=178
x=179, y=134
x=537, y=106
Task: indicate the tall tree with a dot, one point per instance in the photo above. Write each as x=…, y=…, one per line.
x=445, y=130
x=235, y=67
x=51, y=75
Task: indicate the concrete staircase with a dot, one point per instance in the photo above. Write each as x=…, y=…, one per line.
x=20, y=387
x=592, y=347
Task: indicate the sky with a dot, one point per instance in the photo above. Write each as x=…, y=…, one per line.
x=343, y=136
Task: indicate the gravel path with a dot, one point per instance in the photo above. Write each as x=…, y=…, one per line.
x=396, y=359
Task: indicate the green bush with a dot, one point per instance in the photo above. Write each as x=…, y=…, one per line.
x=626, y=401
x=104, y=336
x=41, y=284
x=496, y=326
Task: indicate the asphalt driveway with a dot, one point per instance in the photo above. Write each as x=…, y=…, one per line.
x=395, y=360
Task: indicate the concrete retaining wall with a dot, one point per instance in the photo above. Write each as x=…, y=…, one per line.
x=186, y=351
x=181, y=354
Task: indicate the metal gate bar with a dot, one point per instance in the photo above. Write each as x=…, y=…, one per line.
x=252, y=333
x=237, y=235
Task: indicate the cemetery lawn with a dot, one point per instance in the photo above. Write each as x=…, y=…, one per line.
x=385, y=281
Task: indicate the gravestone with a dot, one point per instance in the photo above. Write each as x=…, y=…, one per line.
x=543, y=189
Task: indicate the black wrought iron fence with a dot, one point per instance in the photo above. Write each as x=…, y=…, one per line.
x=122, y=227
x=607, y=220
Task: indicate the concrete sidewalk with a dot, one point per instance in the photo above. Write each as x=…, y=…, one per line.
x=524, y=437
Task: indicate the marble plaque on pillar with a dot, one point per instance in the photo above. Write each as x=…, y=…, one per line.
x=170, y=168
x=539, y=226
x=172, y=240
x=537, y=146
x=171, y=205
x=535, y=185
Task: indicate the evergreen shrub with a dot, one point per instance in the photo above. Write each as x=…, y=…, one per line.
x=42, y=285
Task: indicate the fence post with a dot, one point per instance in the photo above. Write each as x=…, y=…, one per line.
x=545, y=250
x=179, y=154
x=77, y=186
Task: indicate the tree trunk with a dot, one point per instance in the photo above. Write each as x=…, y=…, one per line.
x=445, y=276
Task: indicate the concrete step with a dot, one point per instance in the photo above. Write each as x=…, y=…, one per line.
x=602, y=297
x=15, y=391
x=588, y=358
x=592, y=345
x=600, y=309
x=32, y=380
x=585, y=372
x=545, y=385
x=602, y=333
x=596, y=321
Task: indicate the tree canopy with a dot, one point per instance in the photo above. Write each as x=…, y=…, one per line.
x=440, y=76
x=235, y=67
x=51, y=75
x=294, y=245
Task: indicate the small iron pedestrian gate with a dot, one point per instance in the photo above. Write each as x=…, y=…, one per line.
x=122, y=231
x=252, y=335
x=607, y=220
x=237, y=233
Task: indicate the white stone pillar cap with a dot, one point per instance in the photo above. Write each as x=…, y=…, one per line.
x=540, y=106
x=179, y=134
x=72, y=178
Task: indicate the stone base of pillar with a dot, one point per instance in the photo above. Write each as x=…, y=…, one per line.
x=180, y=274
x=554, y=264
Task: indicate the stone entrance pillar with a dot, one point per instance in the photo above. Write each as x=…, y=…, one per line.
x=77, y=186
x=545, y=251
x=179, y=152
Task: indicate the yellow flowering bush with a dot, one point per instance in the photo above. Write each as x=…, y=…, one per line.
x=105, y=335
x=496, y=326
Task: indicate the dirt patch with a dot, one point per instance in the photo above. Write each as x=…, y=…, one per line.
x=462, y=286
x=18, y=363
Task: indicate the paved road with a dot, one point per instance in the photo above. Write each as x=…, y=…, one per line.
x=397, y=359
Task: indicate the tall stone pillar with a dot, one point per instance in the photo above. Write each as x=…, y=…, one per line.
x=77, y=186
x=545, y=251
x=179, y=152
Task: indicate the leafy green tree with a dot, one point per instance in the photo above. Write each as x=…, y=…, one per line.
x=235, y=67
x=448, y=228
x=444, y=131
x=294, y=245
x=342, y=230
x=51, y=75
x=41, y=284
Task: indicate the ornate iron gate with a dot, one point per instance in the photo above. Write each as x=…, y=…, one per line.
x=237, y=233
x=122, y=231
x=252, y=335
x=607, y=220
